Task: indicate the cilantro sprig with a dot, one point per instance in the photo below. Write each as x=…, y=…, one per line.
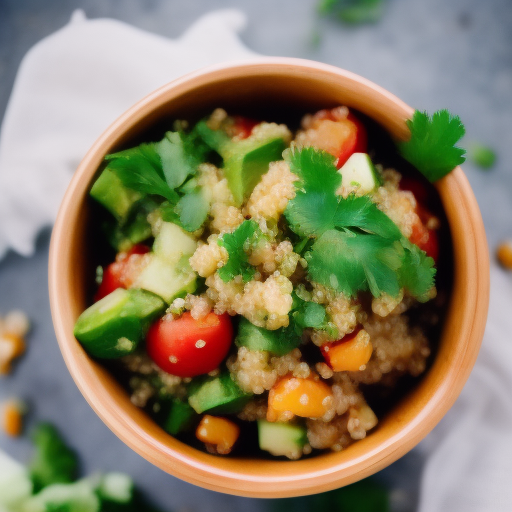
x=166, y=169
x=432, y=146
x=237, y=245
x=357, y=247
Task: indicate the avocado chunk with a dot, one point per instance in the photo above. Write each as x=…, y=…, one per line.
x=109, y=191
x=282, y=438
x=278, y=342
x=114, y=326
x=359, y=173
x=245, y=161
x=217, y=395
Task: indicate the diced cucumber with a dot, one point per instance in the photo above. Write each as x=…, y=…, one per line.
x=172, y=243
x=15, y=483
x=168, y=280
x=114, y=326
x=278, y=342
x=217, y=395
x=282, y=438
x=359, y=173
x=109, y=191
x=116, y=487
x=77, y=497
x=179, y=418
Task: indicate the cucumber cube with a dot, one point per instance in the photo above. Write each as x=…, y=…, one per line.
x=282, y=438
x=114, y=326
x=217, y=395
x=168, y=280
x=359, y=174
x=278, y=342
x=172, y=243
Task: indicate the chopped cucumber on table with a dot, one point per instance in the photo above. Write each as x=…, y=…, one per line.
x=56, y=487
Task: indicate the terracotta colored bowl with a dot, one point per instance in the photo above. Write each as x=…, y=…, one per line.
x=303, y=86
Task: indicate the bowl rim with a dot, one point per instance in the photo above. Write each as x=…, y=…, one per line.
x=281, y=478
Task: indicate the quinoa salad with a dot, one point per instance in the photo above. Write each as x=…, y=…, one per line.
x=263, y=288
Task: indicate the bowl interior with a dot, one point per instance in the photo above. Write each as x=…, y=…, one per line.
x=281, y=90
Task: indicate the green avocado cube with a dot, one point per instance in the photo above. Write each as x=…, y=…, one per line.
x=109, y=191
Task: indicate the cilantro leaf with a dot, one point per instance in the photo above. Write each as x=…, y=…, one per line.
x=316, y=208
x=431, y=148
x=140, y=173
x=417, y=271
x=237, y=243
x=53, y=462
x=180, y=154
x=312, y=210
x=362, y=213
x=306, y=314
x=349, y=262
x=193, y=209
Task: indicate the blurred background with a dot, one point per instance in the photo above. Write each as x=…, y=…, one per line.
x=433, y=54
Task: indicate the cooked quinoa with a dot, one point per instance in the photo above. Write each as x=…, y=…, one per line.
x=333, y=339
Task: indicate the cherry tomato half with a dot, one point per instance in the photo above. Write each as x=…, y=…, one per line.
x=114, y=274
x=187, y=347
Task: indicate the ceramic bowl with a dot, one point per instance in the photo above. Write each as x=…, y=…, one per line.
x=286, y=84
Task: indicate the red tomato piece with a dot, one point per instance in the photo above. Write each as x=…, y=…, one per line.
x=242, y=127
x=187, y=347
x=114, y=274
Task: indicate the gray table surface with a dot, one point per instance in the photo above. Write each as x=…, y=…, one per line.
x=454, y=54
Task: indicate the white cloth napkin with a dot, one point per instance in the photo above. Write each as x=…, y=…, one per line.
x=73, y=84
x=469, y=455
x=70, y=87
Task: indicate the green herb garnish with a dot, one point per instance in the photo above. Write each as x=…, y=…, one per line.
x=237, y=244
x=353, y=12
x=53, y=462
x=482, y=156
x=163, y=169
x=357, y=246
x=432, y=146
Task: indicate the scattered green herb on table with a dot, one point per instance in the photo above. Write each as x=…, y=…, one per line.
x=482, y=156
x=353, y=12
x=50, y=484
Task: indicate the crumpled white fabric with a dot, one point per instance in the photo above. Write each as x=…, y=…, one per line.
x=70, y=87
x=73, y=84
x=469, y=455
